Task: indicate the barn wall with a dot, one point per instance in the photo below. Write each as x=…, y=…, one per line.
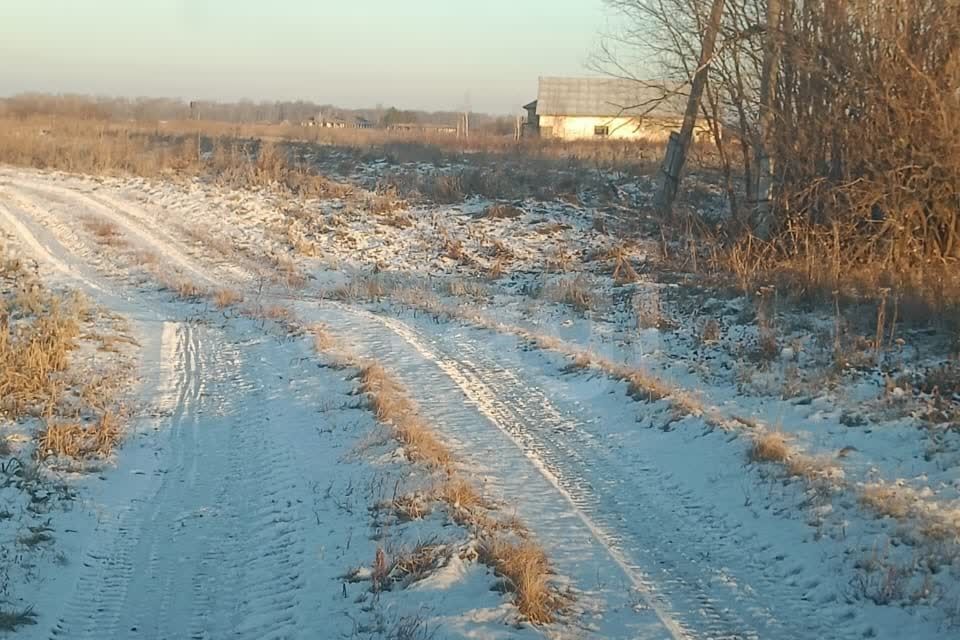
x=580, y=127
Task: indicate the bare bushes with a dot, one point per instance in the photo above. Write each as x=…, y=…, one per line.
x=863, y=135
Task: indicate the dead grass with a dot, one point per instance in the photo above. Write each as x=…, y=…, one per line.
x=35, y=348
x=502, y=210
x=623, y=271
x=287, y=272
x=361, y=288
x=769, y=446
x=523, y=564
x=224, y=298
x=575, y=292
x=38, y=332
x=184, y=289
x=461, y=288
x=888, y=500
x=391, y=405
x=526, y=571
x=460, y=494
x=499, y=267
x=80, y=441
x=11, y=620
x=105, y=232
x=766, y=445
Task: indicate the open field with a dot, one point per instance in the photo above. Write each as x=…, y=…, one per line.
x=388, y=388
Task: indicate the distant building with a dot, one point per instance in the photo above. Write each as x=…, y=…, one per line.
x=423, y=127
x=599, y=108
x=337, y=122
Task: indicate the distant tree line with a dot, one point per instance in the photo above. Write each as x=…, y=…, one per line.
x=245, y=111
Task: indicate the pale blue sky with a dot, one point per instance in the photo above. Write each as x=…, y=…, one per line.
x=354, y=53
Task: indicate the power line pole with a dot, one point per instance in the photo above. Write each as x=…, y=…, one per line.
x=679, y=144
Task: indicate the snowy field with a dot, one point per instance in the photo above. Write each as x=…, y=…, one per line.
x=693, y=463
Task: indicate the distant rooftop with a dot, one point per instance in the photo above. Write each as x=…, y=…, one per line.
x=608, y=97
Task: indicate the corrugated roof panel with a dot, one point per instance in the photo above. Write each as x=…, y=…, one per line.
x=607, y=97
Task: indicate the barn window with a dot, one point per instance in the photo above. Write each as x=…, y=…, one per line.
x=601, y=131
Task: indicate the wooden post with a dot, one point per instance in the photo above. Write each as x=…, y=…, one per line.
x=679, y=144
x=761, y=186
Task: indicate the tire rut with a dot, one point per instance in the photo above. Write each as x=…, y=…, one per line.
x=680, y=549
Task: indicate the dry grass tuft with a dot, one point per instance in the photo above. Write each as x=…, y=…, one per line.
x=390, y=404
x=362, y=288
x=526, y=571
x=887, y=500
x=502, y=210
x=523, y=564
x=276, y=312
x=500, y=266
x=224, y=298
x=623, y=271
x=105, y=232
x=34, y=350
x=186, y=290
x=287, y=273
x=10, y=620
x=468, y=289
x=769, y=446
x=73, y=440
x=575, y=292
x=460, y=494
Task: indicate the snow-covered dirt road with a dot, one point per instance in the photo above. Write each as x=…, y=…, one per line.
x=231, y=511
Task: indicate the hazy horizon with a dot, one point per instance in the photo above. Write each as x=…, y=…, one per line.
x=420, y=54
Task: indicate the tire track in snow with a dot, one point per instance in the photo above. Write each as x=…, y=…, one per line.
x=216, y=551
x=490, y=406
x=692, y=576
x=95, y=608
x=166, y=248
x=41, y=253
x=713, y=569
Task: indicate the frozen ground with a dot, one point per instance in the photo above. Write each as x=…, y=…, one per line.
x=240, y=499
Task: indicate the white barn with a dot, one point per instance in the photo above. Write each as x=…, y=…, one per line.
x=605, y=108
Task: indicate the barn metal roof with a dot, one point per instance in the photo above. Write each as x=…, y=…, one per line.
x=608, y=97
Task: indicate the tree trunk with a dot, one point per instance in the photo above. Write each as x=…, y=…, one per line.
x=679, y=144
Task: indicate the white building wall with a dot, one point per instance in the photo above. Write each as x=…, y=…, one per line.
x=582, y=127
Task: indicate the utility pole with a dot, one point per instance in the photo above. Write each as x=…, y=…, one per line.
x=761, y=184
x=679, y=143
x=195, y=114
